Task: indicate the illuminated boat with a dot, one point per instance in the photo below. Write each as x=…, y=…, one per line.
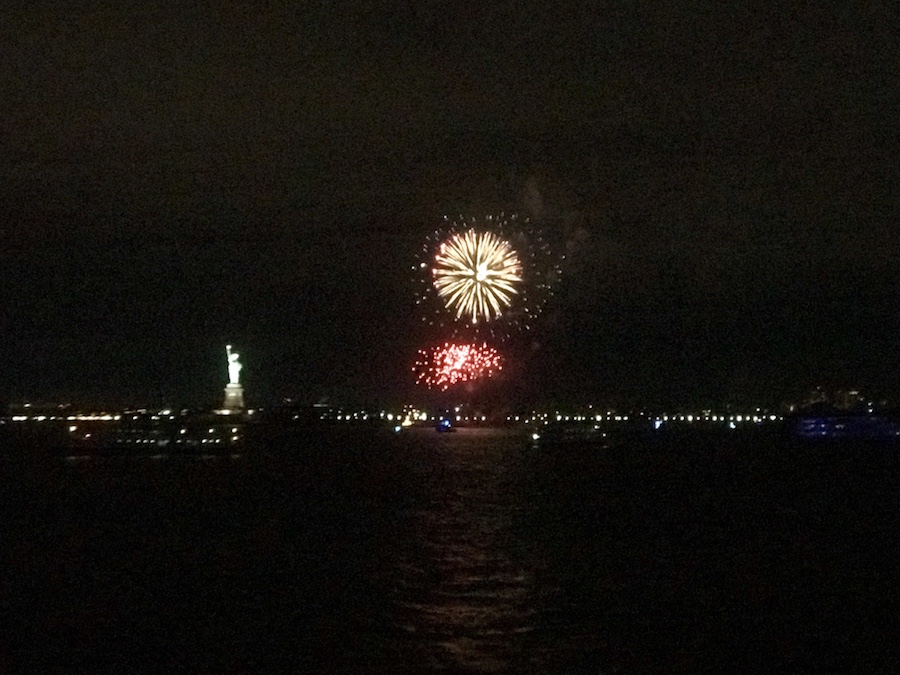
x=846, y=426
x=444, y=427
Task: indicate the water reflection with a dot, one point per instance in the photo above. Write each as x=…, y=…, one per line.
x=465, y=584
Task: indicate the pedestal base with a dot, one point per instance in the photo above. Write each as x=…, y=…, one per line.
x=234, y=397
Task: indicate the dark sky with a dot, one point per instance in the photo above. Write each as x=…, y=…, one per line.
x=171, y=179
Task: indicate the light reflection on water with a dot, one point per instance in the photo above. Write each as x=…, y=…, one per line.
x=465, y=582
x=126, y=458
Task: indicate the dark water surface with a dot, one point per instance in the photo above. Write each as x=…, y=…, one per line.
x=467, y=552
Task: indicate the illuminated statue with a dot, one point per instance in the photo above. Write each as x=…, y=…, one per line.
x=234, y=391
x=234, y=366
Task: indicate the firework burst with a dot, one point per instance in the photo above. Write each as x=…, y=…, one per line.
x=485, y=278
x=452, y=363
x=476, y=274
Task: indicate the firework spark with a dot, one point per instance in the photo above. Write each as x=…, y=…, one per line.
x=476, y=274
x=517, y=308
x=452, y=363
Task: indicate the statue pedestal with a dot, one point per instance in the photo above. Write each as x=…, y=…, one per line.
x=234, y=397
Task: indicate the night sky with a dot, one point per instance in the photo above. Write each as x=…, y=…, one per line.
x=722, y=175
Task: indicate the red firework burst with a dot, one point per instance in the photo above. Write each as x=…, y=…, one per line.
x=453, y=363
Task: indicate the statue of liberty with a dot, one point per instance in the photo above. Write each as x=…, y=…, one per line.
x=234, y=391
x=234, y=366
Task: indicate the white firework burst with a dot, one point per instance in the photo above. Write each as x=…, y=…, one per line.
x=476, y=274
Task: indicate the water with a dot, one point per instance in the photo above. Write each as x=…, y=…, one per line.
x=467, y=552
x=467, y=584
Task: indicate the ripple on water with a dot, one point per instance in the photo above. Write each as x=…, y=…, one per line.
x=465, y=584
